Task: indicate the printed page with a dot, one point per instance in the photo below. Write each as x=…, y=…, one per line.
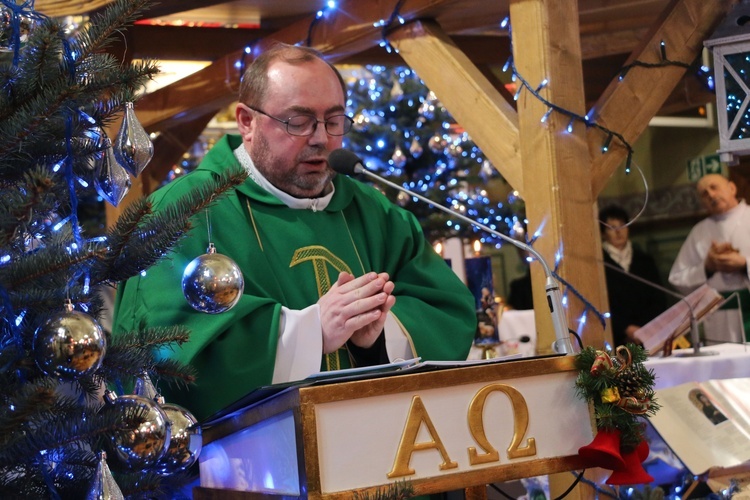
x=704, y=428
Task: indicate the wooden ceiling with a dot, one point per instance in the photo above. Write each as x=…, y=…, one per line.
x=610, y=32
x=609, y=29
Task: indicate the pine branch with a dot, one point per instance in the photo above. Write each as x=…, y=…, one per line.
x=33, y=118
x=51, y=267
x=67, y=424
x=175, y=374
x=131, y=352
x=605, y=381
x=34, y=197
x=120, y=234
x=23, y=403
x=395, y=491
x=106, y=26
x=144, y=238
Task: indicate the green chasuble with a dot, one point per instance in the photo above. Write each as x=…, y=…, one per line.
x=289, y=258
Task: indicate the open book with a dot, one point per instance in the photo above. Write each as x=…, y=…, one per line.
x=675, y=321
x=706, y=424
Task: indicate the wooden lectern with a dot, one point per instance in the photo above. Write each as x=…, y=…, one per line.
x=439, y=427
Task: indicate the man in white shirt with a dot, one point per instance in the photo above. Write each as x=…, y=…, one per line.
x=716, y=252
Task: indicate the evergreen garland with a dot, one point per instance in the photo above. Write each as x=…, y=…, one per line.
x=620, y=388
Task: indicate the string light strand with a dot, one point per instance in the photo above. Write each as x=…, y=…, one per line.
x=387, y=26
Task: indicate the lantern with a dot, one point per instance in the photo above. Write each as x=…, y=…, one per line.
x=730, y=46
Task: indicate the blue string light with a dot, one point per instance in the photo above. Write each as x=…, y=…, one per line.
x=330, y=7
x=661, y=64
x=588, y=306
x=387, y=26
x=535, y=91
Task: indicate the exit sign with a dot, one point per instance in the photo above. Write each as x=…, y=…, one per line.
x=702, y=165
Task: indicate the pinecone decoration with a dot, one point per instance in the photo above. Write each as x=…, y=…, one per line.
x=631, y=382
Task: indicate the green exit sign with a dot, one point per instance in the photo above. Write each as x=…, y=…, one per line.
x=702, y=165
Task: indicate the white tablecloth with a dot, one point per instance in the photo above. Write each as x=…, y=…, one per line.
x=730, y=361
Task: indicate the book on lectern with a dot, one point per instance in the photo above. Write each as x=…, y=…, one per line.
x=706, y=424
x=675, y=321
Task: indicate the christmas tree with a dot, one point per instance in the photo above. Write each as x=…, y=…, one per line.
x=59, y=93
x=402, y=132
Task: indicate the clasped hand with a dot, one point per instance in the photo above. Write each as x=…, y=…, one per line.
x=724, y=258
x=356, y=309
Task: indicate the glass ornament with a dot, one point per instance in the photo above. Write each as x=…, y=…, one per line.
x=14, y=29
x=212, y=283
x=112, y=182
x=104, y=486
x=185, y=444
x=132, y=147
x=415, y=148
x=398, y=157
x=69, y=345
x=144, y=387
x=143, y=439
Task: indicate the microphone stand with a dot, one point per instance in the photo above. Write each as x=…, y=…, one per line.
x=694, y=333
x=562, y=343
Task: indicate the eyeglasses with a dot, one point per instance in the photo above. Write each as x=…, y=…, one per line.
x=304, y=125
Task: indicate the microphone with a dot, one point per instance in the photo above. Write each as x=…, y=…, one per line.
x=345, y=162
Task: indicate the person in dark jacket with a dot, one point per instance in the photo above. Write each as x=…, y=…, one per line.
x=632, y=303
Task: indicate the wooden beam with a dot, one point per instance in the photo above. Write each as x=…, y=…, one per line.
x=349, y=31
x=469, y=96
x=556, y=166
x=170, y=146
x=627, y=106
x=180, y=43
x=162, y=8
x=62, y=8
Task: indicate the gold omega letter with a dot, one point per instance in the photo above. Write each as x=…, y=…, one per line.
x=408, y=445
x=520, y=426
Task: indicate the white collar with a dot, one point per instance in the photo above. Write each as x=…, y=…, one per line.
x=313, y=204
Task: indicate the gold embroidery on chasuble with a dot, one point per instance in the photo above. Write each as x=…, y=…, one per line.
x=321, y=257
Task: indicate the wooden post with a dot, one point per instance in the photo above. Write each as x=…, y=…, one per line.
x=560, y=204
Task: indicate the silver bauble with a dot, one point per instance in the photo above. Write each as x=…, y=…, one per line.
x=11, y=36
x=438, y=143
x=185, y=444
x=142, y=446
x=402, y=199
x=361, y=123
x=399, y=158
x=69, y=345
x=212, y=283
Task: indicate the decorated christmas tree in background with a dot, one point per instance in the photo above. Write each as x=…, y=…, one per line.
x=402, y=132
x=63, y=434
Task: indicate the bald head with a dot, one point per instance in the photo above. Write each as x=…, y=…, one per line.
x=717, y=193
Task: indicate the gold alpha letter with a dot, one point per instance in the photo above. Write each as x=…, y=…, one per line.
x=408, y=445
